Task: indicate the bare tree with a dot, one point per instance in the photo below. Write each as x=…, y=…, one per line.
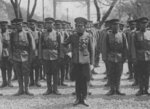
x=98, y=10
x=31, y=14
x=17, y=9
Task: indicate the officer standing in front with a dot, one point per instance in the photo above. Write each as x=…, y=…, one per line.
x=21, y=47
x=115, y=54
x=141, y=55
x=50, y=49
x=82, y=57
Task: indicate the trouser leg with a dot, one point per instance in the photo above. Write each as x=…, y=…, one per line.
x=31, y=76
x=4, y=83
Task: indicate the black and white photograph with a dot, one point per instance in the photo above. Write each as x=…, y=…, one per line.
x=74, y=54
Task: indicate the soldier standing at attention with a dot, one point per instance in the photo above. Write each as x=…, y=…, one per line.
x=50, y=49
x=1, y=50
x=141, y=55
x=129, y=34
x=35, y=65
x=63, y=37
x=13, y=23
x=115, y=54
x=6, y=65
x=82, y=50
x=21, y=47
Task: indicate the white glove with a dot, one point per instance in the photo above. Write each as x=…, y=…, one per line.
x=69, y=54
x=91, y=66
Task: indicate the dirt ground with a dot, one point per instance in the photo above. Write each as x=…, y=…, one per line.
x=98, y=99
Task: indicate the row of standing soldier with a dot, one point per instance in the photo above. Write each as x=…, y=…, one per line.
x=27, y=50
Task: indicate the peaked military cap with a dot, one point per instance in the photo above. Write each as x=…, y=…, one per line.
x=58, y=22
x=107, y=21
x=132, y=21
x=68, y=23
x=80, y=20
x=64, y=22
x=3, y=23
x=49, y=19
x=114, y=21
x=26, y=23
x=143, y=19
x=13, y=22
x=18, y=20
x=40, y=22
x=32, y=20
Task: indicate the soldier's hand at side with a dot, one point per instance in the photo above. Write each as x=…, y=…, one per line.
x=11, y=61
x=91, y=67
x=135, y=61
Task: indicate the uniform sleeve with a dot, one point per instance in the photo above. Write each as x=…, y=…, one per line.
x=104, y=47
x=41, y=46
x=10, y=47
x=31, y=45
x=126, y=47
x=59, y=43
x=90, y=47
x=133, y=49
x=1, y=46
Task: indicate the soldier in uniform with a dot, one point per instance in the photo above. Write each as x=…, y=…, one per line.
x=1, y=50
x=35, y=65
x=82, y=58
x=6, y=65
x=115, y=54
x=13, y=24
x=141, y=55
x=50, y=52
x=101, y=48
x=40, y=25
x=64, y=36
x=21, y=47
x=129, y=34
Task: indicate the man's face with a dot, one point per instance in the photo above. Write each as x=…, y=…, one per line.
x=49, y=25
x=63, y=26
x=80, y=28
x=19, y=26
x=58, y=26
x=3, y=27
x=88, y=25
x=143, y=25
x=32, y=25
x=132, y=25
x=115, y=26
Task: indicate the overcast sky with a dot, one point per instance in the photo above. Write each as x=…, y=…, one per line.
x=75, y=9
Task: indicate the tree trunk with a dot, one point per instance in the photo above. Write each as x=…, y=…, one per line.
x=30, y=15
x=108, y=12
x=28, y=10
x=98, y=10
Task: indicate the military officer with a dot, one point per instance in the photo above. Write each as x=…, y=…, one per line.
x=1, y=50
x=115, y=53
x=6, y=65
x=35, y=65
x=129, y=34
x=50, y=49
x=21, y=47
x=40, y=25
x=82, y=51
x=61, y=76
x=101, y=48
x=141, y=55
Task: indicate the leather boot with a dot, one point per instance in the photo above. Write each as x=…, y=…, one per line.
x=4, y=84
x=9, y=78
x=20, y=91
x=49, y=86
x=55, y=84
x=37, y=78
x=15, y=76
x=140, y=92
x=26, y=82
x=130, y=77
x=135, y=83
x=78, y=101
x=31, y=77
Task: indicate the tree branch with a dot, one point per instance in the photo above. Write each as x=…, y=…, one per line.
x=98, y=10
x=19, y=3
x=33, y=9
x=28, y=10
